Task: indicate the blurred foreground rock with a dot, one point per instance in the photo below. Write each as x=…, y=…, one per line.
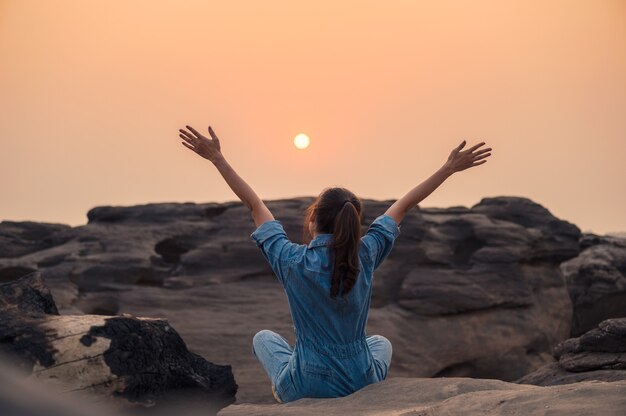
x=131, y=362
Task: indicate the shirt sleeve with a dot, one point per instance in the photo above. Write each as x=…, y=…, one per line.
x=379, y=238
x=276, y=247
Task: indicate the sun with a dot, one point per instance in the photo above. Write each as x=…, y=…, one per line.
x=301, y=141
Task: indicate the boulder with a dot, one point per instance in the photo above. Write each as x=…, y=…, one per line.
x=18, y=238
x=129, y=360
x=599, y=354
x=596, y=280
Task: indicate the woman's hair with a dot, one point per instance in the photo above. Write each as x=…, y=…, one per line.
x=338, y=211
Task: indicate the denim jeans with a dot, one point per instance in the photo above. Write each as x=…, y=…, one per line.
x=274, y=353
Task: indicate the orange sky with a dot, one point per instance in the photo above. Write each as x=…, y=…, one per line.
x=92, y=94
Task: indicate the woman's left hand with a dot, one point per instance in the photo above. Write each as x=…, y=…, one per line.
x=207, y=148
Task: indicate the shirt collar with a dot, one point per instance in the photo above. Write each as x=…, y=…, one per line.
x=321, y=240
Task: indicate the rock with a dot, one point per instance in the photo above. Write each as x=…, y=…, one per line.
x=560, y=238
x=136, y=360
x=610, y=336
x=98, y=303
x=596, y=280
x=24, y=304
x=18, y=238
x=159, y=212
x=454, y=396
x=20, y=396
x=426, y=290
x=484, y=287
x=599, y=354
x=27, y=295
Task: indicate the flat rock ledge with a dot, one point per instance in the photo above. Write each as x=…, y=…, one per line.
x=401, y=396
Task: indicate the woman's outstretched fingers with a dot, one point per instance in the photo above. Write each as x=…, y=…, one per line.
x=187, y=134
x=212, y=133
x=476, y=146
x=481, y=151
x=185, y=138
x=188, y=146
x=456, y=150
x=482, y=156
x=194, y=131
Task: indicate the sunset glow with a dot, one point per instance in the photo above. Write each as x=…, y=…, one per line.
x=92, y=94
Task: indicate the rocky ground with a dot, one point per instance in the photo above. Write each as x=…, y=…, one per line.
x=452, y=396
x=484, y=292
x=599, y=354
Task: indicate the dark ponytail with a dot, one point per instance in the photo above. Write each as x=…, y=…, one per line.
x=338, y=211
x=346, y=238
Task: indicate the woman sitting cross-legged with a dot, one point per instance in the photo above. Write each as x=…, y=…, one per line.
x=328, y=280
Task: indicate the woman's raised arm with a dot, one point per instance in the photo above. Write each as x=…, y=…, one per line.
x=211, y=149
x=457, y=161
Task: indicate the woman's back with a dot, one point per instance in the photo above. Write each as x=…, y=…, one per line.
x=331, y=356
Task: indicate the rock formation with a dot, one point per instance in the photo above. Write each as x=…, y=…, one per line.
x=596, y=280
x=599, y=354
x=131, y=361
x=475, y=292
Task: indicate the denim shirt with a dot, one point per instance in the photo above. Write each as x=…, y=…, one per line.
x=330, y=357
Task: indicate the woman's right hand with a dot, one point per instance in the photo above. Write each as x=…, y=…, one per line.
x=461, y=160
x=207, y=148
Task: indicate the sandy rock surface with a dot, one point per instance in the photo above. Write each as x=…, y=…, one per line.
x=401, y=396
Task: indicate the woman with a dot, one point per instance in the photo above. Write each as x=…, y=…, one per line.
x=328, y=281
